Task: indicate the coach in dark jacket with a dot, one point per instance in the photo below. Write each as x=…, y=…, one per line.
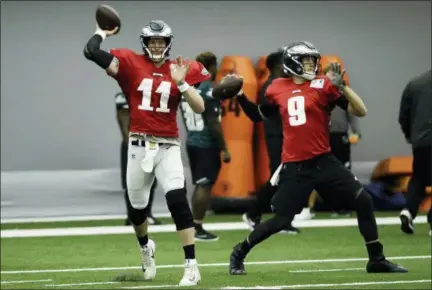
x=415, y=119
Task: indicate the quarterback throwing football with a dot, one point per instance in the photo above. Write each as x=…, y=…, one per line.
x=154, y=85
x=304, y=103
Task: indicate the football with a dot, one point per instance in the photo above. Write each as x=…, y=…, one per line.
x=107, y=18
x=228, y=89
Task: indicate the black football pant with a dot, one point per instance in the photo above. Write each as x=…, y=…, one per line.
x=334, y=181
x=421, y=178
x=341, y=149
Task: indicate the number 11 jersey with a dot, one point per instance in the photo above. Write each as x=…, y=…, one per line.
x=152, y=95
x=305, y=112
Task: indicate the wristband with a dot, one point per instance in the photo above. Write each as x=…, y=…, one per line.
x=183, y=87
x=101, y=33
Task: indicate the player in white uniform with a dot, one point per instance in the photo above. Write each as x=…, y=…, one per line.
x=154, y=85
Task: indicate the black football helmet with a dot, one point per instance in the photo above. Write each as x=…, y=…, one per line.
x=292, y=59
x=156, y=28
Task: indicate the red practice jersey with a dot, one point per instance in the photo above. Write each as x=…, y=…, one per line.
x=152, y=96
x=305, y=113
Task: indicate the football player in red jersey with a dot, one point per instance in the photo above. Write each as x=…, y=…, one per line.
x=304, y=103
x=154, y=85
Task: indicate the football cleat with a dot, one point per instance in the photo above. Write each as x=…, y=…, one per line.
x=148, y=260
x=192, y=276
x=204, y=236
x=384, y=266
x=407, y=225
x=305, y=214
x=153, y=221
x=251, y=222
x=291, y=230
x=236, y=266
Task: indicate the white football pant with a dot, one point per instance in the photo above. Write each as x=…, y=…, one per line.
x=162, y=162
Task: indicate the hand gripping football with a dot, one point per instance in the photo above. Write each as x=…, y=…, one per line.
x=228, y=88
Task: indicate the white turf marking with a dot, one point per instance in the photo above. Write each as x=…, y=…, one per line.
x=81, y=284
x=326, y=270
x=25, y=281
x=211, y=265
x=151, y=287
x=331, y=285
x=73, y=218
x=227, y=226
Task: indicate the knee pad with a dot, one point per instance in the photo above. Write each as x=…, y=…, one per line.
x=363, y=203
x=179, y=207
x=137, y=216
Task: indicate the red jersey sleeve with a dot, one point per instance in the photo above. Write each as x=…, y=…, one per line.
x=124, y=56
x=197, y=74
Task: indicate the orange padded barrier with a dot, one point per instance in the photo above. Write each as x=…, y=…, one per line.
x=262, y=161
x=326, y=59
x=397, y=165
x=262, y=73
x=401, y=168
x=236, y=179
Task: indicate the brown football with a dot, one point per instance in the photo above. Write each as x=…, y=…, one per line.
x=107, y=18
x=228, y=89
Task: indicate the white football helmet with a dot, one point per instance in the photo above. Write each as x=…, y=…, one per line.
x=156, y=28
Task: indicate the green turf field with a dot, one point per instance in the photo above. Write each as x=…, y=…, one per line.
x=325, y=257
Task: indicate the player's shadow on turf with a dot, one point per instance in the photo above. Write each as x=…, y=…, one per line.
x=129, y=277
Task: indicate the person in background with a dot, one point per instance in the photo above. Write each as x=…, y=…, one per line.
x=415, y=119
x=205, y=144
x=122, y=109
x=273, y=138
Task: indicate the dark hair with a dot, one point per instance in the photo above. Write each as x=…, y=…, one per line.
x=207, y=58
x=209, y=61
x=274, y=59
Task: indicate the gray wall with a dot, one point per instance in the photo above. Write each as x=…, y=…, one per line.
x=57, y=109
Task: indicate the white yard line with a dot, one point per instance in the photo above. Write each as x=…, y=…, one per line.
x=24, y=281
x=225, y=226
x=210, y=265
x=73, y=218
x=150, y=287
x=326, y=270
x=329, y=285
x=81, y=284
x=297, y=286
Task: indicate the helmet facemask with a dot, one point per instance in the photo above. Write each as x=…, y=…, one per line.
x=156, y=30
x=158, y=50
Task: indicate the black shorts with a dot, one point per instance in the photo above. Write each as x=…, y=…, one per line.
x=341, y=148
x=274, y=150
x=205, y=164
x=325, y=173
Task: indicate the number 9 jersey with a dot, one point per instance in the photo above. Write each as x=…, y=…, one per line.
x=153, y=97
x=305, y=112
